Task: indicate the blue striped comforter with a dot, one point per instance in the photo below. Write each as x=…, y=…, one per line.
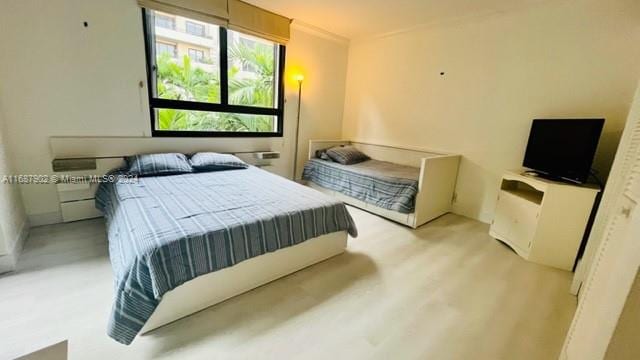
x=383, y=184
x=164, y=231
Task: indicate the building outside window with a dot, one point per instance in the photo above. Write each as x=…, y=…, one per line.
x=194, y=28
x=197, y=55
x=168, y=49
x=166, y=22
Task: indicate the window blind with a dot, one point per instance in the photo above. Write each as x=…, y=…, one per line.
x=234, y=14
x=253, y=20
x=211, y=11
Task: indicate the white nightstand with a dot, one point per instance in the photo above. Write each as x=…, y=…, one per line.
x=77, y=201
x=542, y=220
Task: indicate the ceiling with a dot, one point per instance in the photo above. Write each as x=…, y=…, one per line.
x=356, y=19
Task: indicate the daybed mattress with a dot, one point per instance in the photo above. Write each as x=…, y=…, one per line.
x=380, y=183
x=164, y=231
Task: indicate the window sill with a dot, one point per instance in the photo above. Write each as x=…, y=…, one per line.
x=215, y=134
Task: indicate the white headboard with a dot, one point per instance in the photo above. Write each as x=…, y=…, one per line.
x=397, y=154
x=105, y=147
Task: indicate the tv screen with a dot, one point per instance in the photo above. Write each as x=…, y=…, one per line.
x=563, y=149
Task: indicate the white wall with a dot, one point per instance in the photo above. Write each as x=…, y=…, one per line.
x=62, y=79
x=322, y=59
x=13, y=224
x=557, y=59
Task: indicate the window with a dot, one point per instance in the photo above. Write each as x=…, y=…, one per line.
x=194, y=28
x=165, y=21
x=196, y=55
x=164, y=49
x=249, y=44
x=231, y=85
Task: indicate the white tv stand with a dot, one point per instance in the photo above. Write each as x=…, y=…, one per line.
x=542, y=220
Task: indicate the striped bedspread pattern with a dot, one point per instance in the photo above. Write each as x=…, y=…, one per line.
x=164, y=231
x=392, y=193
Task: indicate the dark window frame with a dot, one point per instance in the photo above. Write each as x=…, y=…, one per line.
x=224, y=106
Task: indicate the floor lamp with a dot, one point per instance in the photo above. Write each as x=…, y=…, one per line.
x=299, y=78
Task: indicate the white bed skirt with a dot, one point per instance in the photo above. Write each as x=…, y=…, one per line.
x=213, y=288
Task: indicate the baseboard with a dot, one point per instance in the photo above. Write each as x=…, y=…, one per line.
x=59, y=351
x=41, y=219
x=483, y=217
x=8, y=262
x=22, y=238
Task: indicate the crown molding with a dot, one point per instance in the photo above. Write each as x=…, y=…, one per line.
x=316, y=31
x=457, y=20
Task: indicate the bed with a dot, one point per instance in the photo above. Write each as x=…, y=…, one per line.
x=380, y=183
x=409, y=186
x=181, y=243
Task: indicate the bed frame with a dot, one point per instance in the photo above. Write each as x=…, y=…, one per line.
x=203, y=291
x=218, y=286
x=436, y=184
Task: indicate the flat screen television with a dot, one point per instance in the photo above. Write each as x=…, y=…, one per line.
x=563, y=148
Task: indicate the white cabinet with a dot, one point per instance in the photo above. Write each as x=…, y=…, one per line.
x=77, y=201
x=542, y=220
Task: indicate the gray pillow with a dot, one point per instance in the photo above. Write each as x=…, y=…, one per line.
x=325, y=157
x=210, y=161
x=322, y=154
x=158, y=164
x=346, y=155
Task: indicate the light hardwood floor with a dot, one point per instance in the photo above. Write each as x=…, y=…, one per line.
x=444, y=291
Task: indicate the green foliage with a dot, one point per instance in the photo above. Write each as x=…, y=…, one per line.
x=184, y=81
x=256, y=90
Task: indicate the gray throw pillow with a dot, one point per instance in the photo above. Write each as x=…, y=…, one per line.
x=158, y=164
x=346, y=155
x=210, y=161
x=322, y=155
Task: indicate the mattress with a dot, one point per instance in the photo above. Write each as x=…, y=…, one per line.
x=380, y=183
x=164, y=231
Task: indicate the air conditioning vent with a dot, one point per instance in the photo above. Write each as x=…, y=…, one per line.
x=267, y=155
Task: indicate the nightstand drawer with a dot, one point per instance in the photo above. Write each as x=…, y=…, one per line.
x=75, y=192
x=79, y=210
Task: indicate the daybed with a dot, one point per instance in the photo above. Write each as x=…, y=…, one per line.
x=409, y=186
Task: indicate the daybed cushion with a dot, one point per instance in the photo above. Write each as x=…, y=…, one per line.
x=158, y=164
x=210, y=161
x=380, y=183
x=346, y=155
x=166, y=230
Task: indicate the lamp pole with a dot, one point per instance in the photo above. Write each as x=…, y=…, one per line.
x=299, y=78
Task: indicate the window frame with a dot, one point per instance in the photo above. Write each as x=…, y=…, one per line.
x=223, y=107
